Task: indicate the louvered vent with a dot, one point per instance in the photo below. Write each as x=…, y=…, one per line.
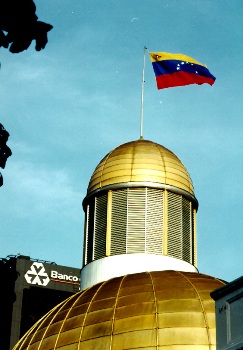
x=85, y=249
x=180, y=228
x=186, y=230
x=174, y=226
x=136, y=220
x=154, y=221
x=118, y=222
x=100, y=227
x=89, y=233
x=194, y=248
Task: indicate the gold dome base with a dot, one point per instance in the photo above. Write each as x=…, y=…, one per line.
x=167, y=310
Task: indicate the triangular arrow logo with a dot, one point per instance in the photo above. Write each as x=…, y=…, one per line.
x=37, y=275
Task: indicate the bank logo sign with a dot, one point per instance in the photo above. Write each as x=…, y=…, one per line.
x=37, y=275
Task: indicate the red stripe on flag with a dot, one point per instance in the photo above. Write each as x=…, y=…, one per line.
x=181, y=79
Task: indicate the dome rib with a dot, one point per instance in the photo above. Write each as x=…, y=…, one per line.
x=103, y=166
x=163, y=161
x=87, y=310
x=65, y=319
x=52, y=322
x=156, y=310
x=34, y=329
x=114, y=313
x=202, y=306
x=133, y=156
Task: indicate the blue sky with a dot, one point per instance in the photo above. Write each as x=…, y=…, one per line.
x=70, y=104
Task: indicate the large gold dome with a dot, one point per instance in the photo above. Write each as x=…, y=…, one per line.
x=166, y=310
x=141, y=161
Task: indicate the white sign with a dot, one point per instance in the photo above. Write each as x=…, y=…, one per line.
x=60, y=276
x=37, y=275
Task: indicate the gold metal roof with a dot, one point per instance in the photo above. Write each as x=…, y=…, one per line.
x=167, y=310
x=141, y=161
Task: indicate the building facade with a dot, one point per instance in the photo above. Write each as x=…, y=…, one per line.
x=30, y=288
x=229, y=315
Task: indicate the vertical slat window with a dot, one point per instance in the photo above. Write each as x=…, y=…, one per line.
x=136, y=220
x=180, y=227
x=89, y=232
x=85, y=236
x=194, y=243
x=118, y=222
x=174, y=225
x=100, y=227
x=154, y=221
x=187, y=230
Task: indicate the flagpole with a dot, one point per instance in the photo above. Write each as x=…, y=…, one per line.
x=142, y=96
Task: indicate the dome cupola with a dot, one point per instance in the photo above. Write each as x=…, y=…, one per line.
x=140, y=200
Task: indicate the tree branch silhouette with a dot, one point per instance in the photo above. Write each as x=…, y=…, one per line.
x=19, y=26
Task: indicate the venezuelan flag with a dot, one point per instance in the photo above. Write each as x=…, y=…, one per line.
x=178, y=70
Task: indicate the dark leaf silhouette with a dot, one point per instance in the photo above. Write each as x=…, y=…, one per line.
x=5, y=151
x=19, y=26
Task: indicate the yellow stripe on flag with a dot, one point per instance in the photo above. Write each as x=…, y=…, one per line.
x=162, y=56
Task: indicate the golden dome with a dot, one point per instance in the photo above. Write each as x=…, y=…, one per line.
x=149, y=310
x=141, y=161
